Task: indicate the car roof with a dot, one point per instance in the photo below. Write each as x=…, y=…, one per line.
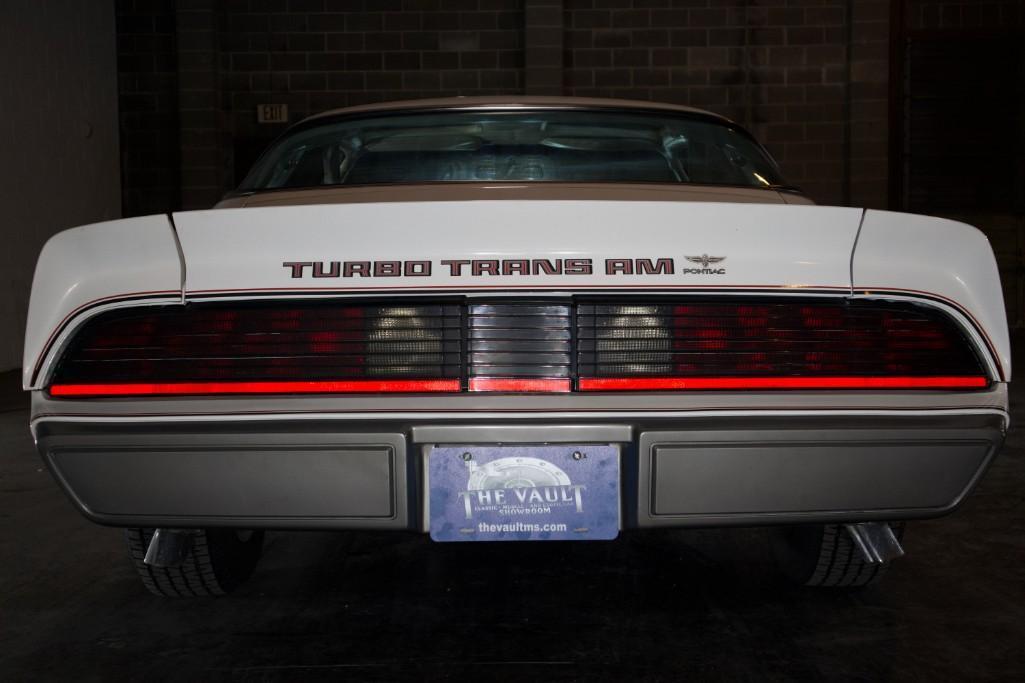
x=515, y=102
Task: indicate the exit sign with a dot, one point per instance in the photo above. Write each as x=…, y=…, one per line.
x=272, y=113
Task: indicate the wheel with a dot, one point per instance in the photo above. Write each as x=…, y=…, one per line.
x=219, y=562
x=825, y=556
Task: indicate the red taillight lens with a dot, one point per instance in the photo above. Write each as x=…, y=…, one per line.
x=200, y=388
x=808, y=344
x=705, y=383
x=265, y=348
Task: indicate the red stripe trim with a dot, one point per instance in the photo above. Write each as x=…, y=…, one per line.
x=560, y=386
x=517, y=385
x=312, y=387
x=697, y=383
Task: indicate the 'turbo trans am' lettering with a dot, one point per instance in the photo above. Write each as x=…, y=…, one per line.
x=498, y=267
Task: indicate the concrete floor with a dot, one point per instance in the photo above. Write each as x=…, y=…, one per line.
x=669, y=607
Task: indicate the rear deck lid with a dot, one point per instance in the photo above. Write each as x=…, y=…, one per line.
x=499, y=245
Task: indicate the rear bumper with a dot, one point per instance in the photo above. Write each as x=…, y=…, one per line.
x=699, y=469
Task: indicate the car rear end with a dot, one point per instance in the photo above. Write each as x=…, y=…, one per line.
x=324, y=402
x=520, y=369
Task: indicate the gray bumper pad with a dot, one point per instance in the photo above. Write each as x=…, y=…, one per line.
x=317, y=474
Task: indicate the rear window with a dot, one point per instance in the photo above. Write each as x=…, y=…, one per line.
x=513, y=146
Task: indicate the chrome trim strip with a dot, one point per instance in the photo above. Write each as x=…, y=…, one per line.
x=563, y=433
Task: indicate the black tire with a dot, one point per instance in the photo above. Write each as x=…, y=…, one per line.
x=825, y=556
x=219, y=562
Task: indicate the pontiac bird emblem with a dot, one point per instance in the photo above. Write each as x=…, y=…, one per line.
x=705, y=259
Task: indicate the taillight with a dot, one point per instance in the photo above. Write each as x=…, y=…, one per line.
x=303, y=347
x=265, y=348
x=809, y=344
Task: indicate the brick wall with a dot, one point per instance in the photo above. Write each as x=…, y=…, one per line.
x=148, y=105
x=315, y=55
x=192, y=72
x=964, y=14
x=869, y=107
x=543, y=40
x=803, y=75
x=809, y=77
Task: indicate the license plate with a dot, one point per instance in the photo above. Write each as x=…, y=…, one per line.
x=524, y=493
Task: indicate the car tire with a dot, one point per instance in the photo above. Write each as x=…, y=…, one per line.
x=219, y=561
x=825, y=556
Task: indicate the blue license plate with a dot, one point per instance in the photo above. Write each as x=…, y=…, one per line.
x=524, y=493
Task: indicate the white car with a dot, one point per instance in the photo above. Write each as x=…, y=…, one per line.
x=520, y=320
